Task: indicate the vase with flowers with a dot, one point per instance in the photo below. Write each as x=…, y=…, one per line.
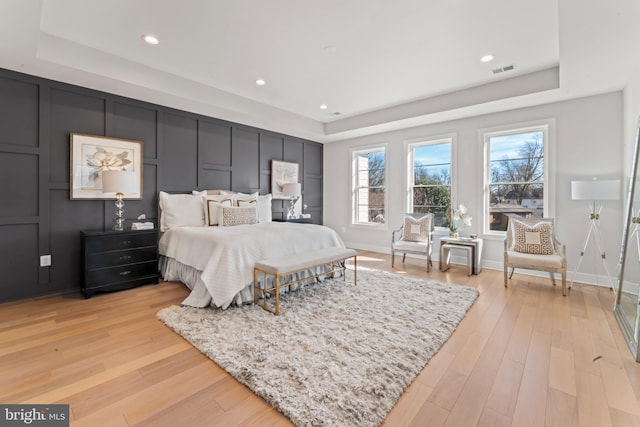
x=459, y=215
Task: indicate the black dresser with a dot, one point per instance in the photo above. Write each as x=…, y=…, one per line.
x=116, y=260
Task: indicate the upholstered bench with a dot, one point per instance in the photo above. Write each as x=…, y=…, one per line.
x=290, y=264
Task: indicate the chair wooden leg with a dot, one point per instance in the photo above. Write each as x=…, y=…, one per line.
x=512, y=270
x=553, y=278
x=404, y=256
x=564, y=282
x=393, y=258
x=428, y=264
x=505, y=274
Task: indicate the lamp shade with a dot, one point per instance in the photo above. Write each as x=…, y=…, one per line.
x=292, y=189
x=606, y=189
x=119, y=182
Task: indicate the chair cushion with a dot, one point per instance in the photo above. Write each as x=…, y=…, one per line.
x=534, y=262
x=416, y=229
x=532, y=238
x=415, y=247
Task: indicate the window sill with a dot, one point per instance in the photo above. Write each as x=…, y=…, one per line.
x=372, y=226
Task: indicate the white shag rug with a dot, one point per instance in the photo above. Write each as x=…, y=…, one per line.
x=338, y=354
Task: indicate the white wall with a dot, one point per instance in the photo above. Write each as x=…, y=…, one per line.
x=588, y=142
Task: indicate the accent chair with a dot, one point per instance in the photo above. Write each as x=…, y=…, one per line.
x=415, y=236
x=531, y=243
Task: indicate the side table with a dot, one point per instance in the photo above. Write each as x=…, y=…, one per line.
x=476, y=250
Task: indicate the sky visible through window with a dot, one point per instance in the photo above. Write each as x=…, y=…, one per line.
x=436, y=154
x=509, y=145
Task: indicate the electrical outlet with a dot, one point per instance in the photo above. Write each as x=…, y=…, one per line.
x=45, y=260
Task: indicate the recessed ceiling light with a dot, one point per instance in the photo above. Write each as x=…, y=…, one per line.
x=151, y=39
x=487, y=58
x=323, y=106
x=261, y=82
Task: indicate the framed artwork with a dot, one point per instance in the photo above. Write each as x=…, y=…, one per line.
x=91, y=155
x=282, y=173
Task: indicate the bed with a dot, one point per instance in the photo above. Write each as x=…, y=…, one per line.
x=216, y=262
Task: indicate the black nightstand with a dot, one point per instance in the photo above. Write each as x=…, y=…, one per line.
x=116, y=260
x=298, y=220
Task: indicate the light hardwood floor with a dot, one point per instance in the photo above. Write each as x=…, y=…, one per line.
x=522, y=356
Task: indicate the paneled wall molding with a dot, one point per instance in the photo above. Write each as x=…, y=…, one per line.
x=182, y=151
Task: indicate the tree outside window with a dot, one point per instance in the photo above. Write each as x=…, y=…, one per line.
x=430, y=177
x=516, y=176
x=369, y=186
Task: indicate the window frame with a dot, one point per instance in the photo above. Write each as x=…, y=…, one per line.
x=354, y=153
x=547, y=127
x=409, y=145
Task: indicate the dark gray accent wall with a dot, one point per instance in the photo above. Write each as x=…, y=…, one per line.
x=182, y=152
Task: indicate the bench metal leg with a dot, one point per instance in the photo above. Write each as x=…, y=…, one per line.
x=264, y=292
x=277, y=294
x=355, y=270
x=255, y=286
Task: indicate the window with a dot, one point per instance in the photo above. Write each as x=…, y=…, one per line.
x=430, y=179
x=369, y=170
x=515, y=176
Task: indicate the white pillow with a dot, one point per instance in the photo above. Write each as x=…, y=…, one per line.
x=244, y=197
x=417, y=229
x=263, y=204
x=212, y=205
x=264, y=208
x=211, y=192
x=180, y=210
x=234, y=215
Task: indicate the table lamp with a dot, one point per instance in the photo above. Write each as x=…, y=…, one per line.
x=119, y=183
x=292, y=190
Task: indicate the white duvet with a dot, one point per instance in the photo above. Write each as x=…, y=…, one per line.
x=226, y=255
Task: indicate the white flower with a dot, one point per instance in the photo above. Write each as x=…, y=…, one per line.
x=460, y=214
x=103, y=160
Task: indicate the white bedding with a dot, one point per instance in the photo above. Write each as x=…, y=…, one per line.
x=226, y=255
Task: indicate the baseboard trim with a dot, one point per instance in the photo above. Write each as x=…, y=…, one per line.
x=589, y=279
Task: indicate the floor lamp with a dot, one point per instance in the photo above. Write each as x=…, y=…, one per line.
x=594, y=190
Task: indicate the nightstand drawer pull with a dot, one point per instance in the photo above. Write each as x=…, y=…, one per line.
x=125, y=273
x=124, y=257
x=125, y=242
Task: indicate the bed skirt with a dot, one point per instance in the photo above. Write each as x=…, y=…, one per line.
x=172, y=270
